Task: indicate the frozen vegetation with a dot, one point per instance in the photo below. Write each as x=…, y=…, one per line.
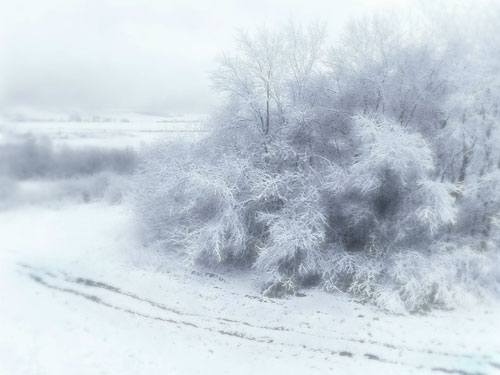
x=369, y=167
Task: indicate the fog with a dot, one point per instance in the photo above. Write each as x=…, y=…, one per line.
x=149, y=56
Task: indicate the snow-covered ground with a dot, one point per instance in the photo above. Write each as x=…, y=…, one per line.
x=81, y=295
x=113, y=130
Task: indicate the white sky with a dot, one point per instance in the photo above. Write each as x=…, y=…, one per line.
x=132, y=54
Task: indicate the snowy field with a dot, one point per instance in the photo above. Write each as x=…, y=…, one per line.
x=113, y=130
x=81, y=295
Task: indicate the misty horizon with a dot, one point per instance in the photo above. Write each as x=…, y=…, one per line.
x=150, y=57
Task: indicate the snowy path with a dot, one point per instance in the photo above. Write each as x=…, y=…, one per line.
x=103, y=307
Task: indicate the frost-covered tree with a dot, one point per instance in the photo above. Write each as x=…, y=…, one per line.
x=369, y=167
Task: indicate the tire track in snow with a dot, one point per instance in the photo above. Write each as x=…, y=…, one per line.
x=35, y=275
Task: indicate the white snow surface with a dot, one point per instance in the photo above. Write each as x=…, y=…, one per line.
x=82, y=295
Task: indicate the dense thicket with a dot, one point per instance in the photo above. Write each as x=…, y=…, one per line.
x=370, y=167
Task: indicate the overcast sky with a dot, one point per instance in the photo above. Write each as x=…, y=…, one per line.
x=135, y=55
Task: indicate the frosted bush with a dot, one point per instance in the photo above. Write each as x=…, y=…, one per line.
x=194, y=206
x=359, y=170
x=415, y=280
x=36, y=157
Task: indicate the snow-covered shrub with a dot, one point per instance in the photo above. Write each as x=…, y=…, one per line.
x=36, y=157
x=195, y=205
x=445, y=276
x=296, y=233
x=391, y=198
x=358, y=171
